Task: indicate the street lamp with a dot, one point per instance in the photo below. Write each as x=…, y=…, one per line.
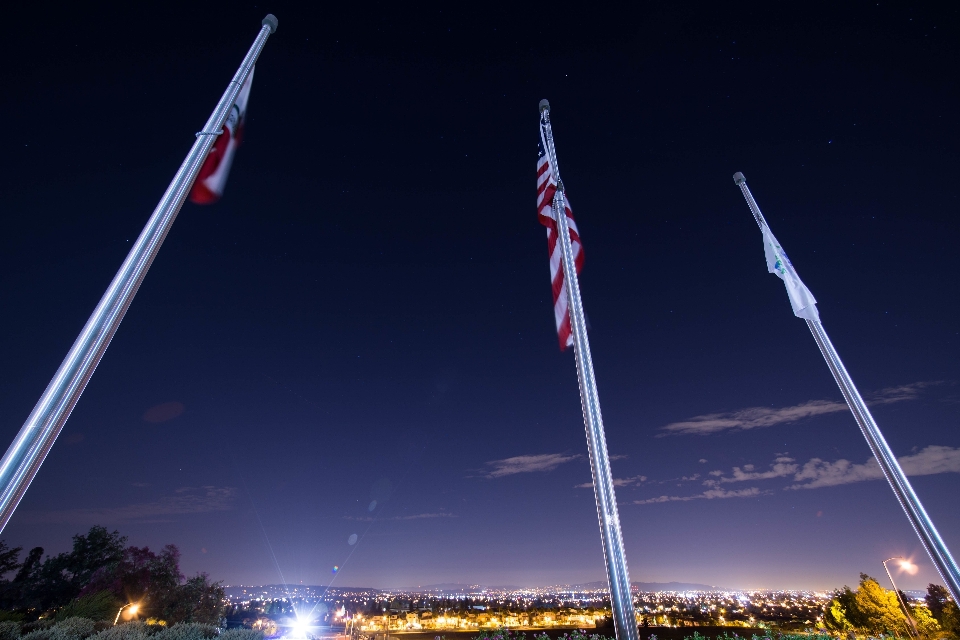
x=904, y=564
x=133, y=609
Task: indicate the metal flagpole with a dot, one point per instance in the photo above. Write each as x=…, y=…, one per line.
x=23, y=459
x=909, y=501
x=621, y=600
x=903, y=605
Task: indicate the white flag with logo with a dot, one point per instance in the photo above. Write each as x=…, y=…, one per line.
x=803, y=303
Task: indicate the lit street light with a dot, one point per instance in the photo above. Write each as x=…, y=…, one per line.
x=133, y=609
x=907, y=566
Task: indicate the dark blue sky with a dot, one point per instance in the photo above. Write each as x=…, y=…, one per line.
x=366, y=314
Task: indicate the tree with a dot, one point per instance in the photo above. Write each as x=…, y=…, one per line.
x=197, y=600
x=943, y=609
x=140, y=576
x=880, y=608
x=60, y=579
x=102, y=605
x=14, y=593
x=870, y=609
x=99, y=574
x=91, y=552
x=927, y=626
x=9, y=558
x=28, y=566
x=842, y=614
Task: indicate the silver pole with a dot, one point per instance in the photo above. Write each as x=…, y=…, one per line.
x=936, y=549
x=621, y=600
x=906, y=611
x=23, y=459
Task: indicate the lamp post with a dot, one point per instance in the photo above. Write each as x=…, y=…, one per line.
x=906, y=612
x=129, y=604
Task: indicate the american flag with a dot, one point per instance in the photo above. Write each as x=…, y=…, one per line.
x=546, y=188
x=210, y=182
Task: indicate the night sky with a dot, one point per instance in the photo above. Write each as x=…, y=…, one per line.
x=366, y=315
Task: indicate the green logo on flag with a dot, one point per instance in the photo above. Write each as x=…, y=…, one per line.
x=781, y=258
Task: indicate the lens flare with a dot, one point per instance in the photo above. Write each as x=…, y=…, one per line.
x=300, y=629
x=336, y=568
x=909, y=567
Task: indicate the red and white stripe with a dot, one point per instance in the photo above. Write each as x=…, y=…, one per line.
x=210, y=182
x=546, y=188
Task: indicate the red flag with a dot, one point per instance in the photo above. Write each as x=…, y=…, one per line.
x=208, y=187
x=546, y=188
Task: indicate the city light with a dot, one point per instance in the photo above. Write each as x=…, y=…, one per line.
x=374, y=611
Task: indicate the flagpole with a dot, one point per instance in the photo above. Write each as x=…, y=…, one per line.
x=621, y=599
x=916, y=514
x=23, y=459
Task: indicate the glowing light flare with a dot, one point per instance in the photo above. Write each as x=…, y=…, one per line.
x=299, y=629
x=909, y=567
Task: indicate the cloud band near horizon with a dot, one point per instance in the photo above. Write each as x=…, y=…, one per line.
x=817, y=473
x=759, y=417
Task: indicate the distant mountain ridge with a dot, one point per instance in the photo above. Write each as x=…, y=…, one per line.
x=455, y=587
x=460, y=588
x=657, y=586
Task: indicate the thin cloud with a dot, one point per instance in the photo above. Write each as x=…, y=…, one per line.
x=187, y=500
x=782, y=466
x=751, y=418
x=163, y=412
x=899, y=394
x=709, y=494
x=929, y=461
x=759, y=417
x=527, y=464
x=617, y=482
x=818, y=473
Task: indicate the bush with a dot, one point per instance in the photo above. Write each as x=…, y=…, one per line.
x=241, y=634
x=9, y=630
x=187, y=631
x=36, y=624
x=779, y=636
x=74, y=628
x=41, y=634
x=101, y=605
x=69, y=629
x=128, y=631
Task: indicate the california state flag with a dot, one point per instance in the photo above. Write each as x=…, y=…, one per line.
x=212, y=178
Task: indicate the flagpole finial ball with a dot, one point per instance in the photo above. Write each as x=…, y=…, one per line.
x=544, y=105
x=738, y=178
x=270, y=21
